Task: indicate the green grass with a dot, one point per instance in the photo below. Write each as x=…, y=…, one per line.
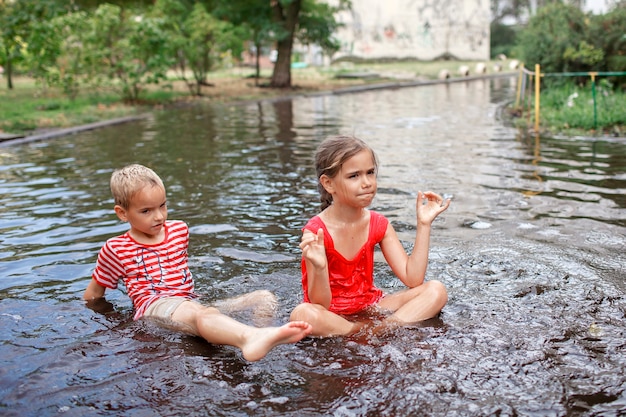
x=575, y=107
x=27, y=107
x=569, y=109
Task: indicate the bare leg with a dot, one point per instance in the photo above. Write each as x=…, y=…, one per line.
x=408, y=306
x=324, y=322
x=262, y=303
x=220, y=329
x=416, y=304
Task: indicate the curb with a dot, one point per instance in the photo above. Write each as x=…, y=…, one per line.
x=379, y=86
x=71, y=130
x=346, y=90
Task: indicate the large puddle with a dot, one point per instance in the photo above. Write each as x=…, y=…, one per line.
x=532, y=250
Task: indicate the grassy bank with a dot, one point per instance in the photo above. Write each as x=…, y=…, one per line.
x=573, y=110
x=29, y=108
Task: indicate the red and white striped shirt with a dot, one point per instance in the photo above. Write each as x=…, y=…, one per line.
x=149, y=272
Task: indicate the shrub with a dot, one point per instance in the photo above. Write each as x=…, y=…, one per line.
x=503, y=39
x=555, y=29
x=606, y=32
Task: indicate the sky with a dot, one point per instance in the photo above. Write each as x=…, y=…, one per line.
x=596, y=6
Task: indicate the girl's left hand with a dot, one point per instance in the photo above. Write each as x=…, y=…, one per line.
x=429, y=205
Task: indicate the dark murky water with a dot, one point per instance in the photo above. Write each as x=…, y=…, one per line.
x=532, y=251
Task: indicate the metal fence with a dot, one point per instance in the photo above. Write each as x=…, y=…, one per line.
x=527, y=82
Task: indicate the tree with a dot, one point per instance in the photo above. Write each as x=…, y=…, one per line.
x=255, y=17
x=197, y=39
x=92, y=5
x=308, y=21
x=509, y=16
x=519, y=11
x=55, y=51
x=607, y=34
x=129, y=50
x=9, y=41
x=285, y=14
x=318, y=26
x=555, y=28
x=17, y=19
x=502, y=39
x=512, y=10
x=282, y=22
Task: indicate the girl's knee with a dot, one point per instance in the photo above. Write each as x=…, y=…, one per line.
x=438, y=292
x=303, y=312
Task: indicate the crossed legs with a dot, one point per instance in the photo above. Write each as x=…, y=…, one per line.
x=407, y=306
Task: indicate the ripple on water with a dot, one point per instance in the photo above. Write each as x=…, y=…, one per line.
x=531, y=251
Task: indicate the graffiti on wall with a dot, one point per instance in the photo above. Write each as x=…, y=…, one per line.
x=420, y=29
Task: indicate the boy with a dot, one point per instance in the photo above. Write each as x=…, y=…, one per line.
x=151, y=259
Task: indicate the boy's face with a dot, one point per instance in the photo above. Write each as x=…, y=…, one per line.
x=146, y=214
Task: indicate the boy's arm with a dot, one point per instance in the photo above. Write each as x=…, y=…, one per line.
x=94, y=291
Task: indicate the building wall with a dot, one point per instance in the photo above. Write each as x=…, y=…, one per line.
x=415, y=29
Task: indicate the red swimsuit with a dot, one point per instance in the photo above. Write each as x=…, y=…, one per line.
x=351, y=281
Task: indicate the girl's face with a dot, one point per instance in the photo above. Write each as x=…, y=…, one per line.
x=355, y=184
x=146, y=214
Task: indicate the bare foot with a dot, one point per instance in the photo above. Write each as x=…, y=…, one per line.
x=262, y=340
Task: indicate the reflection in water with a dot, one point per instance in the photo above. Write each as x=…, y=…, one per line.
x=535, y=162
x=532, y=251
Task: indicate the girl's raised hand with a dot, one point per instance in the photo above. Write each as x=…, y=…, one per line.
x=428, y=206
x=313, y=250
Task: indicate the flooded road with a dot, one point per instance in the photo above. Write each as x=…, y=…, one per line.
x=532, y=250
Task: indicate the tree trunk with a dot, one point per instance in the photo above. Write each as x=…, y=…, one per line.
x=257, y=63
x=287, y=17
x=281, y=76
x=9, y=71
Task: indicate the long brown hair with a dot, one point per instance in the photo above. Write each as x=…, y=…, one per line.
x=331, y=155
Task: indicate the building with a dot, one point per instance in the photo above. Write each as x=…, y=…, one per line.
x=415, y=29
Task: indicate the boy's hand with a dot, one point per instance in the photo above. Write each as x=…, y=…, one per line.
x=428, y=206
x=313, y=250
x=93, y=291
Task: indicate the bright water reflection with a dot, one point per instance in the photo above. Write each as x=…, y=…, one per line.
x=532, y=251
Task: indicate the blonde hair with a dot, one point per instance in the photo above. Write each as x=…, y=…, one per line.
x=331, y=155
x=127, y=181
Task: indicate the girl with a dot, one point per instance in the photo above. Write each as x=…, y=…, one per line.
x=338, y=247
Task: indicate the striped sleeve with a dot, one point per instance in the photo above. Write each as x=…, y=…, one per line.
x=109, y=270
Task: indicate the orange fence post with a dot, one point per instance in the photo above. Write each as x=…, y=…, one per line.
x=528, y=75
x=537, y=92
